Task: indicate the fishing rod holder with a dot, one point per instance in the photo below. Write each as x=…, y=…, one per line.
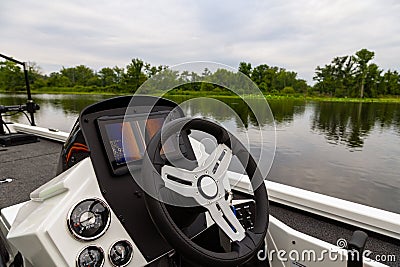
x=30, y=107
x=11, y=138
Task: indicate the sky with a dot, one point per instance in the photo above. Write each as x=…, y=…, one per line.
x=297, y=35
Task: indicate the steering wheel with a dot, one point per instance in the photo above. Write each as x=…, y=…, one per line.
x=204, y=184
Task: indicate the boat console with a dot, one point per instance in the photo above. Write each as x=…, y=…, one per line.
x=103, y=127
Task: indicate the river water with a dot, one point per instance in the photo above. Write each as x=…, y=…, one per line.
x=346, y=150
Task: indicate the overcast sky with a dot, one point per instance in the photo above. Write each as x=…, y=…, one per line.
x=294, y=34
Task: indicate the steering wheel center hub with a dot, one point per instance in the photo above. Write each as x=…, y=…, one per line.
x=207, y=186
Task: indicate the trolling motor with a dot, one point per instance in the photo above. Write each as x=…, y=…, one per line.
x=9, y=139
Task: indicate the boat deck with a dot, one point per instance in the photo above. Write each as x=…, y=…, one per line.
x=31, y=165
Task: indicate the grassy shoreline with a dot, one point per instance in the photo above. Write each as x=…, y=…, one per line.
x=191, y=94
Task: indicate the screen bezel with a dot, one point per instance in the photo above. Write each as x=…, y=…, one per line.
x=122, y=168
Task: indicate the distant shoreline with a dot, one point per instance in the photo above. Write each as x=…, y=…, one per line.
x=191, y=94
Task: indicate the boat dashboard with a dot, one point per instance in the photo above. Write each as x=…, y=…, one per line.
x=116, y=133
x=104, y=126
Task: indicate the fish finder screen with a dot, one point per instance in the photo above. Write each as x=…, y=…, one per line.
x=132, y=135
x=125, y=140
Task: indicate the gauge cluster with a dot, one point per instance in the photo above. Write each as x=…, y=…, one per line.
x=87, y=221
x=74, y=225
x=91, y=256
x=121, y=253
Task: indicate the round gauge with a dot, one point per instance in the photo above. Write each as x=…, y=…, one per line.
x=89, y=219
x=90, y=256
x=121, y=253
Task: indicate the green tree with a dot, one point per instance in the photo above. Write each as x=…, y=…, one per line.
x=336, y=79
x=284, y=79
x=206, y=72
x=35, y=76
x=349, y=76
x=301, y=86
x=206, y=86
x=107, y=76
x=245, y=68
x=153, y=70
x=119, y=74
x=134, y=76
x=259, y=73
x=362, y=58
x=58, y=80
x=288, y=90
x=79, y=75
x=372, y=80
x=390, y=83
x=11, y=77
x=264, y=74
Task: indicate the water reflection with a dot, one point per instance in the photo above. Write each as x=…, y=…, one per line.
x=350, y=124
x=244, y=115
x=285, y=110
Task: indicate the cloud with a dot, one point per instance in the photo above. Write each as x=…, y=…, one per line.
x=297, y=35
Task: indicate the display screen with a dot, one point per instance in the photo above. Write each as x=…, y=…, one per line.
x=131, y=133
x=125, y=140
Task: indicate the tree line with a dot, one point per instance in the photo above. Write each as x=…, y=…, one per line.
x=269, y=79
x=356, y=76
x=347, y=76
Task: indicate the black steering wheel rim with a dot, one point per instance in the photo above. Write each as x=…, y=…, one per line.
x=241, y=250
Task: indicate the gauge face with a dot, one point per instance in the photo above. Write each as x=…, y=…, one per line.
x=89, y=219
x=121, y=253
x=90, y=256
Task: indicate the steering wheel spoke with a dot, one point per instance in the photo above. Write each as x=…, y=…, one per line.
x=179, y=180
x=218, y=162
x=223, y=216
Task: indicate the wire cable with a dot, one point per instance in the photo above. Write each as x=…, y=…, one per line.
x=2, y=122
x=8, y=129
x=26, y=115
